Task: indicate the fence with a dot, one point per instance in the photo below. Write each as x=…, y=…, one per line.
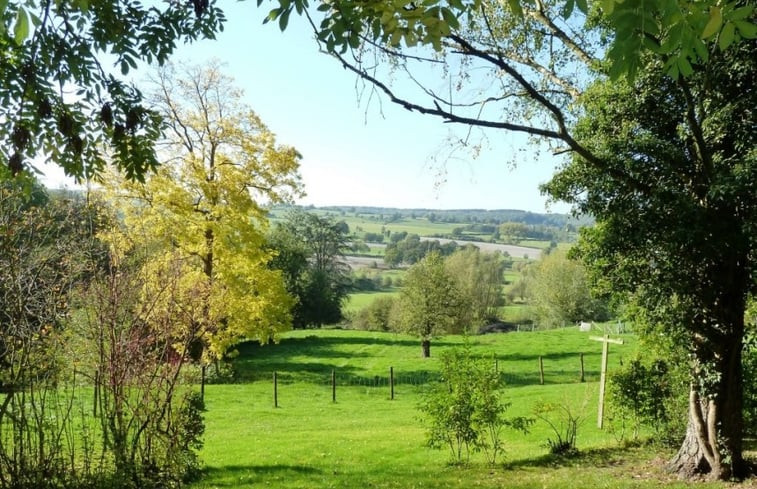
x=543, y=372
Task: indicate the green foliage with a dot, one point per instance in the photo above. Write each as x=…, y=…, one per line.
x=465, y=410
x=478, y=276
x=653, y=395
x=430, y=302
x=560, y=291
x=676, y=218
x=382, y=314
x=309, y=250
x=49, y=45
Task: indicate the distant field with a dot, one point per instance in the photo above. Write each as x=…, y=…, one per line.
x=366, y=440
x=359, y=300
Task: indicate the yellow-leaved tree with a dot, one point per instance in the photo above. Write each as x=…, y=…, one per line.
x=202, y=214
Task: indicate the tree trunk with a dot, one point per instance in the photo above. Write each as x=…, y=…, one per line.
x=713, y=443
x=426, y=347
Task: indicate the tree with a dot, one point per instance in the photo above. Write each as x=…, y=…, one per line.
x=430, y=302
x=53, y=49
x=309, y=250
x=201, y=213
x=676, y=219
x=560, y=292
x=479, y=277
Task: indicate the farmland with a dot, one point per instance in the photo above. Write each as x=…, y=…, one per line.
x=364, y=439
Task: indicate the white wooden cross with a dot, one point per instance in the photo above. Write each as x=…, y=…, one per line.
x=605, y=342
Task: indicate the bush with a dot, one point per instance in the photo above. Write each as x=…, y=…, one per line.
x=465, y=409
x=649, y=395
x=564, y=422
x=379, y=315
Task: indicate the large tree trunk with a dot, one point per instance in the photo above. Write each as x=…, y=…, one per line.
x=713, y=444
x=426, y=347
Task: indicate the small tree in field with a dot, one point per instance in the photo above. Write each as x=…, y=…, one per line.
x=465, y=409
x=430, y=302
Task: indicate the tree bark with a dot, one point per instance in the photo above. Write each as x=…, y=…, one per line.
x=712, y=447
x=426, y=347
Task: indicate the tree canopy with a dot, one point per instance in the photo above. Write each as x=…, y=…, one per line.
x=61, y=97
x=202, y=213
x=676, y=208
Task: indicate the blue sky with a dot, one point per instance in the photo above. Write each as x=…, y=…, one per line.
x=356, y=151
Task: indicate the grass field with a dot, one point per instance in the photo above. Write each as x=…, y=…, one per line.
x=364, y=439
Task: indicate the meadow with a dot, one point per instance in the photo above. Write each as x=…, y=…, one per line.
x=366, y=439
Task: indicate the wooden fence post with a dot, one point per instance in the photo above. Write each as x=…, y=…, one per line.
x=275, y=390
x=391, y=383
x=606, y=340
x=333, y=385
x=541, y=370
x=582, y=368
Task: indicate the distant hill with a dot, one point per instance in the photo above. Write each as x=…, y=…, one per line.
x=483, y=216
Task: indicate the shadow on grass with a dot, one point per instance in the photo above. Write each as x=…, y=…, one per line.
x=596, y=457
x=232, y=475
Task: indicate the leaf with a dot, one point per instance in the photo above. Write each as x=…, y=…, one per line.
x=583, y=6
x=746, y=29
x=685, y=67
x=567, y=9
x=741, y=13
x=608, y=6
x=714, y=24
x=21, y=30
x=515, y=7
x=727, y=36
x=284, y=19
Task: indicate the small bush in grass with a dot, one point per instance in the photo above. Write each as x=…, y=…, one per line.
x=564, y=420
x=465, y=409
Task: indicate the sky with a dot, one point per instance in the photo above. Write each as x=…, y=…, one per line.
x=359, y=150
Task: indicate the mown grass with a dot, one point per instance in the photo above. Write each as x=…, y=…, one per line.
x=364, y=439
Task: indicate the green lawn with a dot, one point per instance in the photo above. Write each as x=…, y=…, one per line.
x=364, y=439
x=359, y=300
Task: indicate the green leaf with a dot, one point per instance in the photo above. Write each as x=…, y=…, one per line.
x=714, y=24
x=746, y=29
x=515, y=7
x=685, y=67
x=727, y=36
x=740, y=13
x=608, y=6
x=284, y=19
x=567, y=9
x=583, y=6
x=21, y=30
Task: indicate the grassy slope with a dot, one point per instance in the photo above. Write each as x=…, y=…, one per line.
x=367, y=440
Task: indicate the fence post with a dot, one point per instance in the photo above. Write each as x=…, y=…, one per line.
x=541, y=371
x=496, y=366
x=275, y=390
x=333, y=385
x=582, y=368
x=391, y=383
x=202, y=382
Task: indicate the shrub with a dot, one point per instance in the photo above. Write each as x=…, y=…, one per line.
x=564, y=421
x=649, y=395
x=465, y=409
